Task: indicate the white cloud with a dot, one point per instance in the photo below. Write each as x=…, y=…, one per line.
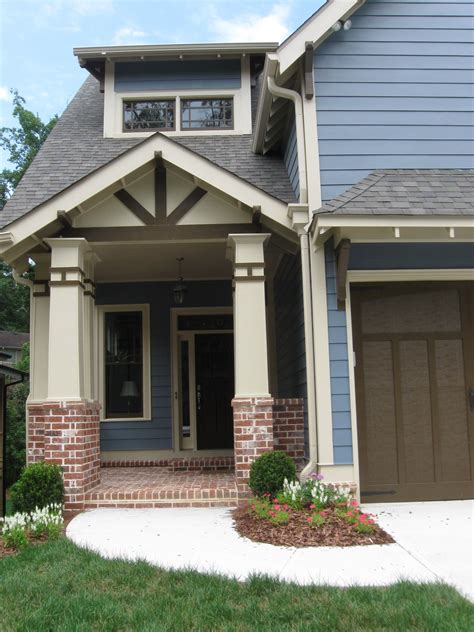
x=252, y=27
x=92, y=7
x=128, y=35
x=5, y=94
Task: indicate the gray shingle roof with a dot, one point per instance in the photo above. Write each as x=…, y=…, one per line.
x=408, y=192
x=13, y=339
x=76, y=147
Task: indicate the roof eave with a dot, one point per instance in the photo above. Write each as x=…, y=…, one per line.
x=170, y=50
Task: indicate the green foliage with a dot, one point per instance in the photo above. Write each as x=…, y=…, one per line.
x=269, y=471
x=14, y=302
x=21, y=143
x=16, y=423
x=40, y=484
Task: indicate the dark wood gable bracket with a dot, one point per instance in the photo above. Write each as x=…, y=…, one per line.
x=161, y=217
x=134, y=205
x=308, y=70
x=160, y=187
x=342, y=263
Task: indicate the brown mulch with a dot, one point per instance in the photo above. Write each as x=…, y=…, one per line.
x=298, y=533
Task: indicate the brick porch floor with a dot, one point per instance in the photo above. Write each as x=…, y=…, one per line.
x=140, y=487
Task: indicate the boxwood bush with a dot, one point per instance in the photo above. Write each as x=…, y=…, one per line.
x=268, y=472
x=39, y=485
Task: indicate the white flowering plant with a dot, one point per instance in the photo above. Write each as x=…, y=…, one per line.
x=313, y=493
x=16, y=530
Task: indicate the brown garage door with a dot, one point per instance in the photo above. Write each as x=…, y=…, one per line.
x=414, y=349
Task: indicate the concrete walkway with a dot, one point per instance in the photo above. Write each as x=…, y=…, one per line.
x=434, y=543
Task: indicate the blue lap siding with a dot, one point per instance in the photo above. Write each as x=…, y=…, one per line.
x=396, y=91
x=289, y=330
x=177, y=75
x=339, y=366
x=156, y=433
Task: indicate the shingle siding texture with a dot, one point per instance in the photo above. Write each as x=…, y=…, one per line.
x=408, y=192
x=396, y=91
x=76, y=147
x=290, y=156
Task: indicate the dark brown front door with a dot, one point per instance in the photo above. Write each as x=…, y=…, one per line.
x=414, y=349
x=214, y=390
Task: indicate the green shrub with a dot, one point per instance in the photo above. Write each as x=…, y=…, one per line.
x=40, y=484
x=269, y=471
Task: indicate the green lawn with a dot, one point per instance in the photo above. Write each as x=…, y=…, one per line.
x=59, y=587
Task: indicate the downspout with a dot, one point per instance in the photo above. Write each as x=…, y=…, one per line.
x=292, y=95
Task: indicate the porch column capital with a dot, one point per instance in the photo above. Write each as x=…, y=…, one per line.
x=66, y=318
x=246, y=251
x=246, y=247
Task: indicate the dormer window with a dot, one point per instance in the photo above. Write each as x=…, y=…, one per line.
x=152, y=114
x=206, y=114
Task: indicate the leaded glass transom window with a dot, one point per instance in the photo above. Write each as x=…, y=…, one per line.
x=148, y=115
x=206, y=113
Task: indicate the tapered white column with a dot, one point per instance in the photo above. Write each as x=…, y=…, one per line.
x=66, y=319
x=246, y=251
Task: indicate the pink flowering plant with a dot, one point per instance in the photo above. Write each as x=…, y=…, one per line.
x=351, y=513
x=266, y=509
x=317, y=519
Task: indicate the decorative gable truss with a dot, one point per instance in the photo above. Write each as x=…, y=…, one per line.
x=154, y=186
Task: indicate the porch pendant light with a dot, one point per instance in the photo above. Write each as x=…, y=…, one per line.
x=179, y=289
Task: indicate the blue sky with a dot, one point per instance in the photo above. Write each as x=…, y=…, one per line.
x=37, y=37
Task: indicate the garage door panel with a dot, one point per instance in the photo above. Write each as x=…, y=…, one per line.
x=415, y=344
x=381, y=433
x=452, y=411
x=436, y=310
x=416, y=412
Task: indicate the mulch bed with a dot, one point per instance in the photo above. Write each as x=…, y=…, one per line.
x=298, y=533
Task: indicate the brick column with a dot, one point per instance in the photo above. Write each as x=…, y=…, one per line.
x=253, y=435
x=252, y=404
x=67, y=433
x=288, y=428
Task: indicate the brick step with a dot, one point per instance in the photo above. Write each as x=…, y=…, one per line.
x=159, y=504
x=190, y=464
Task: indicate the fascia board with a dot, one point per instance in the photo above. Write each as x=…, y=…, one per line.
x=399, y=221
x=314, y=30
x=264, y=103
x=163, y=50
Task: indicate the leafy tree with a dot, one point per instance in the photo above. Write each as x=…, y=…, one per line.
x=14, y=302
x=22, y=144
x=16, y=427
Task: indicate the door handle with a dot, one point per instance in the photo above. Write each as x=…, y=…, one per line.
x=471, y=399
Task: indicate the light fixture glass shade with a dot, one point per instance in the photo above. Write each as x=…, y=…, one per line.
x=347, y=25
x=337, y=26
x=129, y=389
x=179, y=289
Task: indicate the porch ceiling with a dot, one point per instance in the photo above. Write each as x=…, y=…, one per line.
x=150, y=262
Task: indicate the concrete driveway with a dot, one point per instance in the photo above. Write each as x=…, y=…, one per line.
x=433, y=543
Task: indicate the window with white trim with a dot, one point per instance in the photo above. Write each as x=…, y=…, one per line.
x=125, y=360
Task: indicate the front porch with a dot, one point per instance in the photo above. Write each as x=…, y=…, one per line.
x=162, y=486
